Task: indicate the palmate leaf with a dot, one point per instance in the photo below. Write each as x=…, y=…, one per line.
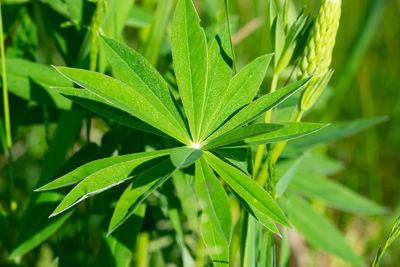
x=98, y=105
x=143, y=105
x=255, y=196
x=216, y=216
x=240, y=92
x=189, y=52
x=317, y=229
x=138, y=191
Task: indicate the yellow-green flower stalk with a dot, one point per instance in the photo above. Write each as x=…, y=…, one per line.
x=318, y=53
x=316, y=61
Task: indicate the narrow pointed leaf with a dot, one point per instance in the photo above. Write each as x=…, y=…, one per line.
x=337, y=131
x=255, y=196
x=93, y=167
x=220, y=62
x=189, y=51
x=317, y=229
x=102, y=180
x=144, y=106
x=134, y=70
x=98, y=105
x=259, y=107
x=213, y=199
x=266, y=221
x=138, y=191
x=242, y=133
x=216, y=216
x=292, y=131
x=183, y=157
x=241, y=91
x=287, y=177
x=334, y=194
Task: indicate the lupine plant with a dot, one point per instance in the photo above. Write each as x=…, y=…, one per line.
x=194, y=149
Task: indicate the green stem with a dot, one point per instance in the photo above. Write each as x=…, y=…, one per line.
x=277, y=150
x=230, y=35
x=5, y=91
x=261, y=148
x=6, y=113
x=94, y=46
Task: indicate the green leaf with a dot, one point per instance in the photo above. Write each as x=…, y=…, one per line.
x=36, y=226
x=98, y=105
x=183, y=157
x=317, y=229
x=189, y=52
x=31, y=81
x=220, y=61
x=287, y=177
x=138, y=17
x=138, y=191
x=264, y=220
x=336, y=131
x=135, y=71
x=157, y=32
x=187, y=197
x=103, y=179
x=242, y=133
x=259, y=107
x=213, y=199
x=293, y=130
x=241, y=91
x=96, y=166
x=395, y=233
x=144, y=106
x=334, y=194
x=216, y=215
x=255, y=196
x=116, y=249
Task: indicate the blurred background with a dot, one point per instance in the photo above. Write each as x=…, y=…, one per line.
x=366, y=83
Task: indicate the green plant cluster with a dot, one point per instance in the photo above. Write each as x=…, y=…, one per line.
x=191, y=162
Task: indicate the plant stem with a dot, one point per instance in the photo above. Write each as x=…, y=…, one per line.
x=230, y=35
x=6, y=112
x=4, y=81
x=277, y=150
x=261, y=148
x=94, y=47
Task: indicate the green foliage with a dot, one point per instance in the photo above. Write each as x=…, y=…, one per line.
x=115, y=121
